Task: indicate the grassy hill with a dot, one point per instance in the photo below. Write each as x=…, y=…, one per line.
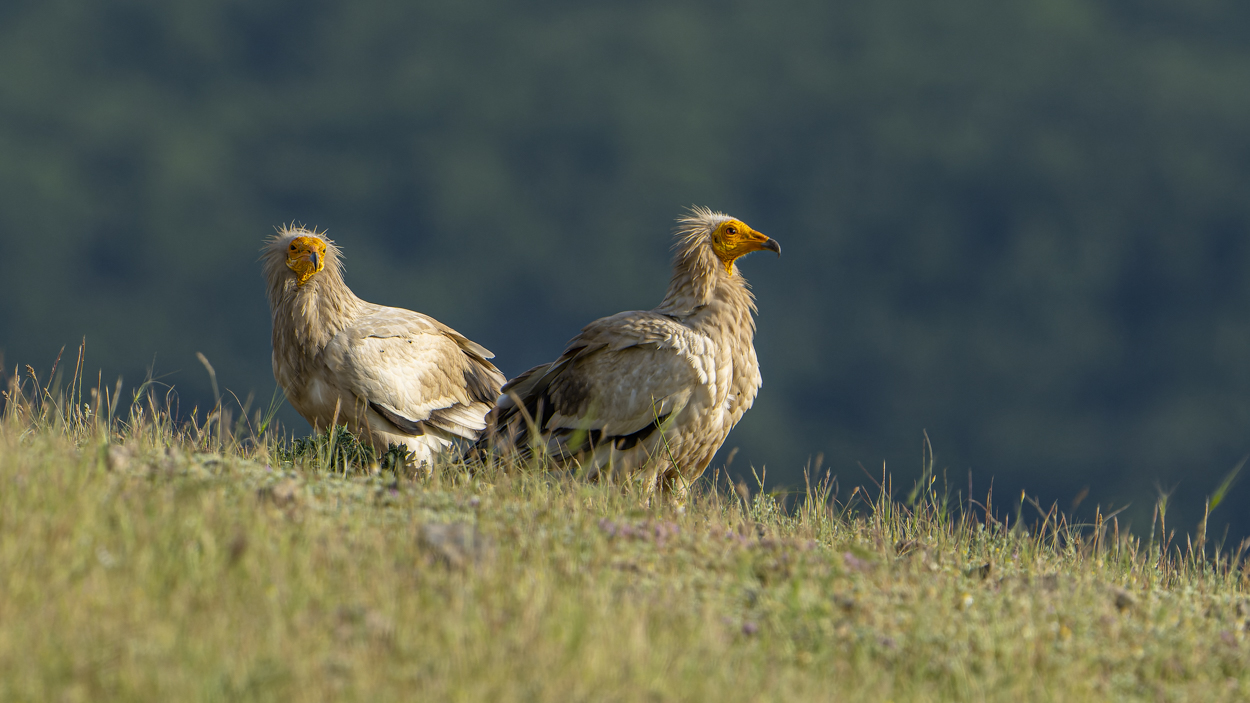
x=144, y=561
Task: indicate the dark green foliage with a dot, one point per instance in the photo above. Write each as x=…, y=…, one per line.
x=336, y=450
x=398, y=458
x=339, y=451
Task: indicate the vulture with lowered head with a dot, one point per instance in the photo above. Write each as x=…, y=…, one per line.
x=648, y=395
x=392, y=376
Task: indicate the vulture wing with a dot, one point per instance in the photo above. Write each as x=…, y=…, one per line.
x=415, y=372
x=617, y=381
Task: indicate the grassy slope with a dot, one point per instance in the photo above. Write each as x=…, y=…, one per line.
x=148, y=567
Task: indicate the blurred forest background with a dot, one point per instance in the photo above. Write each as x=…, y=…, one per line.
x=1020, y=226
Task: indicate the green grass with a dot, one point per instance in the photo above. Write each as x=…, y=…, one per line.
x=140, y=560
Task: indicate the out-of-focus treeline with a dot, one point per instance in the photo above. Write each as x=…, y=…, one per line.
x=1019, y=226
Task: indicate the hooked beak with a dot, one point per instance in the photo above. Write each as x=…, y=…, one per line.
x=758, y=241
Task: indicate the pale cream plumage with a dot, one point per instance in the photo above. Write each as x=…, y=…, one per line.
x=687, y=369
x=392, y=376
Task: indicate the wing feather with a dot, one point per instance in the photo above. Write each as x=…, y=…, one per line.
x=415, y=371
x=616, y=379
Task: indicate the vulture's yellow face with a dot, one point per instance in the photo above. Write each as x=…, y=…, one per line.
x=305, y=256
x=733, y=238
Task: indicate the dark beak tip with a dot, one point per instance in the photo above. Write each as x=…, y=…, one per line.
x=773, y=246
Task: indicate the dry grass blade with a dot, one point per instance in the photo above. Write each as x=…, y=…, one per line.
x=150, y=561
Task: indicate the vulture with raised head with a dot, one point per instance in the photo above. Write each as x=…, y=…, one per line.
x=392, y=376
x=648, y=395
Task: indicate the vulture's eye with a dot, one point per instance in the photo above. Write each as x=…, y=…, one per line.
x=731, y=230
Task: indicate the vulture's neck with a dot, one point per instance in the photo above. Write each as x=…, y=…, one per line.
x=703, y=295
x=307, y=317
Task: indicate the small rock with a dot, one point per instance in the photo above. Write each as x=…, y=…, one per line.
x=117, y=457
x=456, y=544
x=379, y=626
x=902, y=547
x=282, y=494
x=982, y=572
x=855, y=563
x=1123, y=599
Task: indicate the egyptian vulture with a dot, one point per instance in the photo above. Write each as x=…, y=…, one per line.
x=648, y=395
x=392, y=376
